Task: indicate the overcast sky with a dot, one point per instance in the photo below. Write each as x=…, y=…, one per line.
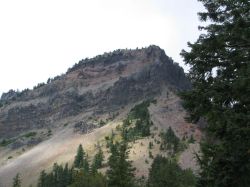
x=42, y=39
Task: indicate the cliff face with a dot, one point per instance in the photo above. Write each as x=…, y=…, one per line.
x=95, y=86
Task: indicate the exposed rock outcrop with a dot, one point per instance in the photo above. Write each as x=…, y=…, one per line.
x=101, y=85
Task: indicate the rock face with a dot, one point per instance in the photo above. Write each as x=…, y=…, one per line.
x=99, y=85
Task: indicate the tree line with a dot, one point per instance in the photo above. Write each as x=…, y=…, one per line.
x=120, y=172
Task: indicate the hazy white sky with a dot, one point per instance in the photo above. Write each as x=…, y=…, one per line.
x=42, y=39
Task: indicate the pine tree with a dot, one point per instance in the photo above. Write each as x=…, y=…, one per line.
x=85, y=164
x=97, y=161
x=83, y=179
x=167, y=173
x=59, y=177
x=67, y=175
x=121, y=172
x=78, y=162
x=170, y=142
x=17, y=181
x=81, y=159
x=42, y=179
x=220, y=75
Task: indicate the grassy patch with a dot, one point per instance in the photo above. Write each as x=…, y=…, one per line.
x=29, y=134
x=6, y=142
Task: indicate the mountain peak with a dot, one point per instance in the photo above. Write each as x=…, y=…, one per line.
x=101, y=84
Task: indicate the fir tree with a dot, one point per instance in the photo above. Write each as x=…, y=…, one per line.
x=121, y=172
x=59, y=177
x=17, y=181
x=97, y=161
x=78, y=162
x=67, y=175
x=42, y=179
x=81, y=159
x=167, y=173
x=83, y=179
x=85, y=164
x=220, y=74
x=170, y=141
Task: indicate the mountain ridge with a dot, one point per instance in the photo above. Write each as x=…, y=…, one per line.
x=86, y=105
x=92, y=83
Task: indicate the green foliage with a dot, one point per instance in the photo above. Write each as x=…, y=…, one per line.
x=171, y=142
x=121, y=172
x=81, y=160
x=97, y=161
x=191, y=139
x=167, y=173
x=49, y=132
x=16, y=181
x=29, y=134
x=6, y=142
x=59, y=177
x=78, y=176
x=109, y=140
x=150, y=155
x=82, y=179
x=220, y=76
x=150, y=145
x=140, y=111
x=39, y=85
x=78, y=162
x=65, y=177
x=141, y=116
x=42, y=181
x=102, y=123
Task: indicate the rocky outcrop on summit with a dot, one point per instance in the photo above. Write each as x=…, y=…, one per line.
x=99, y=85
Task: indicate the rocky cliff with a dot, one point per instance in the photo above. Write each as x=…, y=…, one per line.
x=103, y=84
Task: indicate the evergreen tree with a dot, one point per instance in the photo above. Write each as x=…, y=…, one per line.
x=59, y=177
x=78, y=162
x=220, y=75
x=67, y=175
x=121, y=172
x=170, y=141
x=81, y=159
x=86, y=164
x=17, y=181
x=167, y=173
x=83, y=179
x=97, y=161
x=42, y=179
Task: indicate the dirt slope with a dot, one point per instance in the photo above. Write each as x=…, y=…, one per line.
x=61, y=147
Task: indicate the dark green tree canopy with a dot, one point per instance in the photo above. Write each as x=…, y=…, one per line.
x=220, y=74
x=80, y=155
x=97, y=161
x=81, y=159
x=17, y=181
x=121, y=172
x=167, y=173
